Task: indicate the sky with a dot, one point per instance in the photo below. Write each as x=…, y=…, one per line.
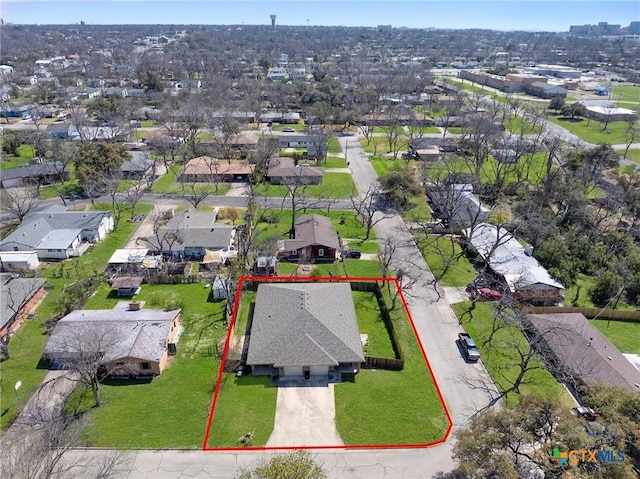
x=536, y=15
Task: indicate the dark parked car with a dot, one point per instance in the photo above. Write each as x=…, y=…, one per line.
x=351, y=253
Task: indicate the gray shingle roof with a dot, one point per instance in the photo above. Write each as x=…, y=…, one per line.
x=315, y=229
x=30, y=171
x=304, y=324
x=15, y=292
x=584, y=351
x=71, y=219
x=140, y=334
x=59, y=239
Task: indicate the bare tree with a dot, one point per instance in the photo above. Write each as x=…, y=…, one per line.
x=19, y=201
x=194, y=192
x=223, y=126
x=368, y=208
x=86, y=352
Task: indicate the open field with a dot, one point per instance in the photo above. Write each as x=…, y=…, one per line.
x=591, y=130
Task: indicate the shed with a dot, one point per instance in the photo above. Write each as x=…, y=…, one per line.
x=218, y=289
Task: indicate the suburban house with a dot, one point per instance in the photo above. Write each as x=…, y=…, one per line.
x=189, y=234
x=527, y=280
x=316, y=145
x=266, y=264
x=20, y=297
x=284, y=118
x=579, y=353
x=60, y=131
x=134, y=261
x=210, y=170
x=36, y=174
x=138, y=167
x=56, y=234
x=457, y=205
x=283, y=171
x=126, y=286
x=14, y=261
x=16, y=111
x=304, y=330
x=133, y=341
x=316, y=240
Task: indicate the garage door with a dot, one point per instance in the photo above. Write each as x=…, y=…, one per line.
x=293, y=370
x=319, y=370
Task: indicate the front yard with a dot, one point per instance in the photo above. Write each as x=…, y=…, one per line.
x=378, y=408
x=334, y=185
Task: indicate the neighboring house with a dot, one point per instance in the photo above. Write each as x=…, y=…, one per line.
x=61, y=131
x=315, y=240
x=137, y=342
x=138, y=167
x=19, y=297
x=316, y=145
x=507, y=258
x=16, y=111
x=282, y=171
x=14, y=261
x=284, y=118
x=304, y=330
x=239, y=116
x=266, y=264
x=188, y=84
x=89, y=93
x=134, y=261
x=37, y=174
x=457, y=205
x=58, y=234
x=576, y=352
x=211, y=170
x=116, y=92
x=126, y=286
x=189, y=234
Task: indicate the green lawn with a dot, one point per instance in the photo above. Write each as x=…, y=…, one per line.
x=168, y=184
x=334, y=185
x=591, y=130
x=245, y=404
x=295, y=126
x=369, y=246
x=423, y=130
x=446, y=260
x=27, y=345
x=379, y=145
x=382, y=165
x=333, y=146
x=623, y=334
x=25, y=153
x=147, y=123
x=361, y=268
x=70, y=187
x=172, y=409
x=501, y=358
x=455, y=130
x=332, y=162
x=518, y=125
x=633, y=155
x=391, y=407
x=370, y=322
x=626, y=93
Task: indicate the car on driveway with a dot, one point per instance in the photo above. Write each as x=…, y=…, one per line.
x=351, y=253
x=469, y=347
x=586, y=413
x=288, y=130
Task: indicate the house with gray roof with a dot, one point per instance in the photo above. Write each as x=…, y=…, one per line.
x=304, y=330
x=134, y=341
x=578, y=353
x=457, y=205
x=18, y=298
x=189, y=234
x=283, y=171
x=138, y=167
x=36, y=174
x=56, y=234
x=316, y=240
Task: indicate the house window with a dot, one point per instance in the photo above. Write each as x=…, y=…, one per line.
x=145, y=365
x=321, y=252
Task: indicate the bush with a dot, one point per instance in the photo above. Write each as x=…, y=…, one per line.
x=271, y=219
x=231, y=214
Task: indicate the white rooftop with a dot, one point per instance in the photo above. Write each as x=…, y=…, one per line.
x=508, y=258
x=128, y=255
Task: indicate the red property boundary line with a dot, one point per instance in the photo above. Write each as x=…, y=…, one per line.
x=322, y=279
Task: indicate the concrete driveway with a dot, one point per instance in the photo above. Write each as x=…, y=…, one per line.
x=305, y=416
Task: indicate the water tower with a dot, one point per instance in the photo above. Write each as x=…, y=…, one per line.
x=273, y=21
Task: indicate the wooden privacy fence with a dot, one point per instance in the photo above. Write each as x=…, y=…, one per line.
x=392, y=364
x=589, y=313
